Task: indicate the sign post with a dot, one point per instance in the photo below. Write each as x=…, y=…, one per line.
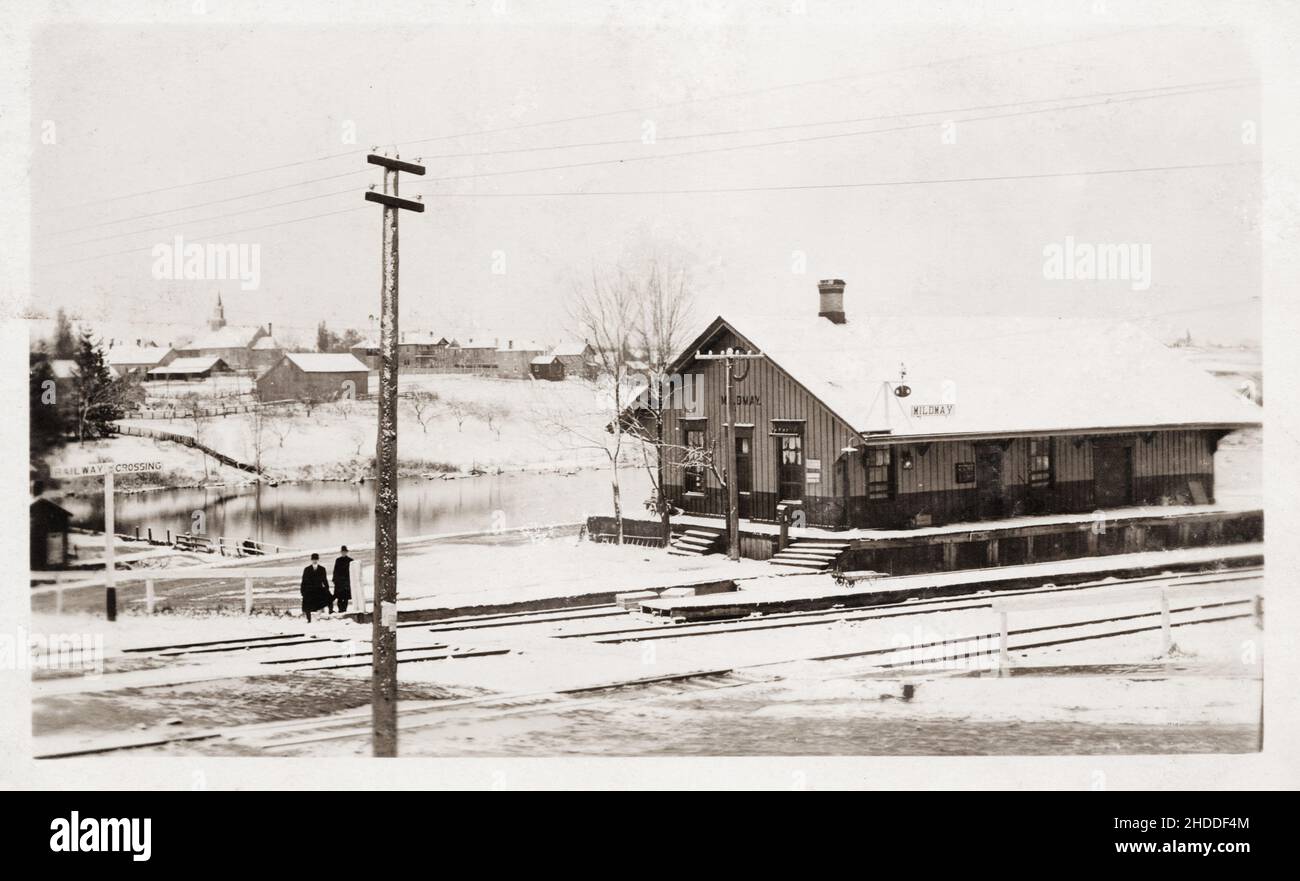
x=728, y=359
x=106, y=470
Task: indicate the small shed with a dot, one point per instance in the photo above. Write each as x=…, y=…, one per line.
x=318, y=376
x=138, y=359
x=191, y=369
x=49, y=533
x=578, y=358
x=548, y=367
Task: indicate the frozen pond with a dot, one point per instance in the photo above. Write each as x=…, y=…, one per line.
x=322, y=513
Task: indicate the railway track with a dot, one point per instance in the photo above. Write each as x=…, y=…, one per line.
x=644, y=630
x=965, y=647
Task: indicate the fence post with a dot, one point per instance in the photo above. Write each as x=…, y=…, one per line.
x=1004, y=656
x=248, y=595
x=148, y=596
x=1166, y=630
x=359, y=593
x=58, y=598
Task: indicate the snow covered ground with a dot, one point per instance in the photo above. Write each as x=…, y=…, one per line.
x=1116, y=694
x=337, y=440
x=470, y=574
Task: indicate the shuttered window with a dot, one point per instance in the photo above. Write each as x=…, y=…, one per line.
x=880, y=473
x=1042, y=467
x=790, y=467
x=693, y=475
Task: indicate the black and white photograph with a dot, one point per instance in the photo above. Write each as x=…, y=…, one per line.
x=795, y=395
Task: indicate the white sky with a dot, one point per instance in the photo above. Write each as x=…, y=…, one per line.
x=137, y=107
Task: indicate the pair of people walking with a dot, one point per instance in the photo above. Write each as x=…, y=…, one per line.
x=316, y=587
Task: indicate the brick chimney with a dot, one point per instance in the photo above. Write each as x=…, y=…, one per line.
x=831, y=294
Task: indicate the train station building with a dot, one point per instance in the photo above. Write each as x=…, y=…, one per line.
x=888, y=422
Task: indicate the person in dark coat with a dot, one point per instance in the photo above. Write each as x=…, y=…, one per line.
x=343, y=579
x=315, y=588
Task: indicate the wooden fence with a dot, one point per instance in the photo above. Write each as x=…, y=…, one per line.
x=159, y=434
x=206, y=412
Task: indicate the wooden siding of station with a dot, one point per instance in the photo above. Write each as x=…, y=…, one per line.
x=1165, y=463
x=779, y=398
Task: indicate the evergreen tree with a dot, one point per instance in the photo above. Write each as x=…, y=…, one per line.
x=99, y=395
x=65, y=346
x=328, y=341
x=45, y=409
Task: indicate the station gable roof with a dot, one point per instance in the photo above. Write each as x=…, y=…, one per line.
x=982, y=375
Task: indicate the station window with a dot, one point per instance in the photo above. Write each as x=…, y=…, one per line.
x=693, y=475
x=880, y=473
x=790, y=466
x=1042, y=467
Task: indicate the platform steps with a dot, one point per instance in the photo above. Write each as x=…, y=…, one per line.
x=813, y=554
x=695, y=541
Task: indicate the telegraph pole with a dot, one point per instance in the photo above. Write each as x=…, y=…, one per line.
x=729, y=439
x=383, y=698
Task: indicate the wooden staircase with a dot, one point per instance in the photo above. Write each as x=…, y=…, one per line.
x=695, y=541
x=813, y=554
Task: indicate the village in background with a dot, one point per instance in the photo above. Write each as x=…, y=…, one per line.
x=808, y=381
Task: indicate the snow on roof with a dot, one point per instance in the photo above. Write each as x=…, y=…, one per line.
x=419, y=338
x=136, y=354
x=999, y=374
x=198, y=364
x=515, y=345
x=570, y=349
x=225, y=338
x=327, y=362
x=478, y=342
x=266, y=343
x=544, y=359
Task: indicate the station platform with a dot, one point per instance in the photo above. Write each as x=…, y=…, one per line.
x=1009, y=524
x=764, y=596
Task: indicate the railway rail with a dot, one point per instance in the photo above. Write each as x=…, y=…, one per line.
x=556, y=624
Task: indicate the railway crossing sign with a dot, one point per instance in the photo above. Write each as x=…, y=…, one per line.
x=106, y=470
x=100, y=469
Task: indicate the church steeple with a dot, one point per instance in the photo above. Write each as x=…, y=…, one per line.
x=218, y=319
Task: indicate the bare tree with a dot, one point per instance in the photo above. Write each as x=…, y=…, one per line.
x=344, y=405
x=198, y=419
x=280, y=425
x=605, y=313
x=494, y=415
x=460, y=411
x=310, y=401
x=257, y=430
x=358, y=437
x=423, y=404
x=664, y=301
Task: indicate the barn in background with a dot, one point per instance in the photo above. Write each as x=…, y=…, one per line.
x=137, y=359
x=190, y=369
x=317, y=376
x=896, y=422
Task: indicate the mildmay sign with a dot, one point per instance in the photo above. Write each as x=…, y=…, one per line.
x=742, y=400
x=932, y=409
